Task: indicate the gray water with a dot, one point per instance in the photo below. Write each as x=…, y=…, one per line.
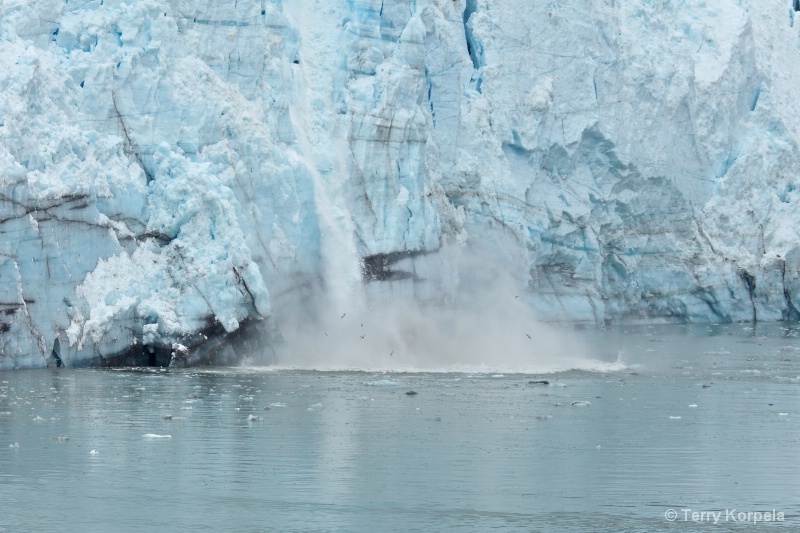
x=351, y=451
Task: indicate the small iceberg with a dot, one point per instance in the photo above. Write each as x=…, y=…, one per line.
x=156, y=436
x=380, y=383
x=581, y=403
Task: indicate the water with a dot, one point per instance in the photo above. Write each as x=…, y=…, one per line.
x=297, y=450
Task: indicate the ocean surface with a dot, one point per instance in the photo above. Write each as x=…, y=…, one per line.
x=701, y=420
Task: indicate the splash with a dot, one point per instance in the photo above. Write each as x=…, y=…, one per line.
x=485, y=325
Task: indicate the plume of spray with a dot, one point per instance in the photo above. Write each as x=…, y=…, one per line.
x=477, y=319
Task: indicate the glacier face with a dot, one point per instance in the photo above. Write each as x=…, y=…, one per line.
x=177, y=176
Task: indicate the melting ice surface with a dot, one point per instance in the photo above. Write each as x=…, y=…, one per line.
x=704, y=418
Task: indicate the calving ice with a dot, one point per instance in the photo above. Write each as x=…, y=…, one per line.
x=181, y=182
x=729, y=515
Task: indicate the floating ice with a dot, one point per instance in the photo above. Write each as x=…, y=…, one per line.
x=156, y=436
x=381, y=383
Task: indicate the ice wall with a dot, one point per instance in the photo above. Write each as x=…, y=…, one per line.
x=177, y=176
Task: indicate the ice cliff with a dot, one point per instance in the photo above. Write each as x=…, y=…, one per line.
x=177, y=174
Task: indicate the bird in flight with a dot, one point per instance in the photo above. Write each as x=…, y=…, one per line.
x=527, y=335
x=343, y=315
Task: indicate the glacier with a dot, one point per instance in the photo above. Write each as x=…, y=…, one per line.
x=179, y=180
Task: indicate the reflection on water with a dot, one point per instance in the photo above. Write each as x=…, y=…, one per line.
x=703, y=418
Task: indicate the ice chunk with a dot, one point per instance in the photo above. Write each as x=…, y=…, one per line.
x=381, y=383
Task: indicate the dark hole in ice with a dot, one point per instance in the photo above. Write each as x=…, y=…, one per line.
x=378, y=267
x=56, y=353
